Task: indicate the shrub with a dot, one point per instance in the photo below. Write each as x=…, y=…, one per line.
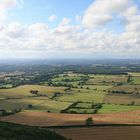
x=89, y=121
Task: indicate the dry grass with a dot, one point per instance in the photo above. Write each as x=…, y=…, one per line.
x=122, y=99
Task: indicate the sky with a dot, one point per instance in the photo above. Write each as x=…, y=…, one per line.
x=41, y=29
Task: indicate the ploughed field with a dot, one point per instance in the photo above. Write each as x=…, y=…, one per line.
x=71, y=98
x=102, y=133
x=37, y=118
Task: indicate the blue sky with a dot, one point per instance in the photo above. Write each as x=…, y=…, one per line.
x=34, y=11
x=69, y=29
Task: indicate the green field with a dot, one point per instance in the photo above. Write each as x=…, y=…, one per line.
x=106, y=79
x=94, y=89
x=110, y=108
x=51, y=106
x=83, y=95
x=98, y=87
x=38, y=103
x=80, y=111
x=136, y=80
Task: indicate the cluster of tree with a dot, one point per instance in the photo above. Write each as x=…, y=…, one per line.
x=120, y=92
x=44, y=73
x=37, y=93
x=4, y=112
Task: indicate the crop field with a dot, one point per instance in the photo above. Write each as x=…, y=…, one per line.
x=49, y=105
x=24, y=91
x=136, y=79
x=67, y=78
x=38, y=103
x=71, y=79
x=101, y=133
x=22, y=103
x=134, y=73
x=122, y=99
x=126, y=88
x=106, y=79
x=83, y=95
x=98, y=87
x=111, y=108
x=38, y=118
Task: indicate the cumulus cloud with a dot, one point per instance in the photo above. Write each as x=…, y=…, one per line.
x=5, y=5
x=70, y=39
x=100, y=12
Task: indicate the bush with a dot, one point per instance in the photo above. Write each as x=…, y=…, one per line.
x=89, y=121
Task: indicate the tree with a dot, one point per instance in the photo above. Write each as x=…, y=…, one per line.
x=34, y=92
x=30, y=106
x=89, y=121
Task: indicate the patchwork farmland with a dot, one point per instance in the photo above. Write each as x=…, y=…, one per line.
x=69, y=98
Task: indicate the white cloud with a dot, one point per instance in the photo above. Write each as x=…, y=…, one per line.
x=100, y=12
x=5, y=5
x=39, y=40
x=52, y=18
x=68, y=39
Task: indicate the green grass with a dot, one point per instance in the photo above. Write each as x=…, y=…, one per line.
x=22, y=103
x=38, y=103
x=136, y=80
x=84, y=96
x=75, y=83
x=60, y=79
x=106, y=79
x=110, y=108
x=24, y=91
x=84, y=105
x=98, y=87
x=80, y=111
x=134, y=73
x=52, y=106
x=6, y=86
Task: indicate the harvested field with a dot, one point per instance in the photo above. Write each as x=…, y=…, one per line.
x=24, y=91
x=122, y=99
x=127, y=88
x=102, y=133
x=36, y=118
x=102, y=79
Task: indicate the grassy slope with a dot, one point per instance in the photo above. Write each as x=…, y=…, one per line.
x=10, y=131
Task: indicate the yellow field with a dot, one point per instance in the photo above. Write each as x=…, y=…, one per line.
x=24, y=91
